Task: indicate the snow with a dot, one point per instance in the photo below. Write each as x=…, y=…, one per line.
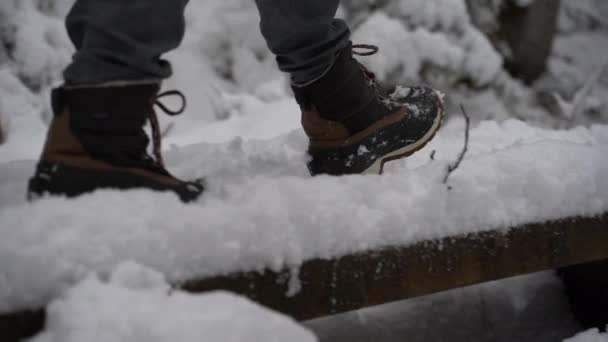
x=592, y=335
x=136, y=305
x=262, y=209
x=23, y=106
x=446, y=46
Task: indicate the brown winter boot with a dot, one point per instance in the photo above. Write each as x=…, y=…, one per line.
x=353, y=129
x=96, y=141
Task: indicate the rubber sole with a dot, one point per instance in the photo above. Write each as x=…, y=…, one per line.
x=52, y=178
x=377, y=168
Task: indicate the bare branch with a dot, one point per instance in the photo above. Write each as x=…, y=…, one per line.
x=1, y=132
x=167, y=129
x=571, y=109
x=465, y=148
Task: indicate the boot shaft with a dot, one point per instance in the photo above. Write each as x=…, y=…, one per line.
x=344, y=101
x=103, y=123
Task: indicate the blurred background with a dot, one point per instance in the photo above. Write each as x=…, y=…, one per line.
x=540, y=61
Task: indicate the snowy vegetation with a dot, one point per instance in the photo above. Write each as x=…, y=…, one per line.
x=421, y=42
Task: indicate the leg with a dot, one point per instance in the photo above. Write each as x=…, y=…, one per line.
x=97, y=138
x=123, y=39
x=304, y=35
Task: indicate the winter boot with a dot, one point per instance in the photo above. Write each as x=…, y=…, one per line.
x=353, y=128
x=96, y=140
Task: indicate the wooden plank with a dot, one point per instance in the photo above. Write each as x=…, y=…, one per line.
x=361, y=280
x=366, y=279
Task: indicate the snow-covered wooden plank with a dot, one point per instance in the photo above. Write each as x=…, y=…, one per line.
x=255, y=218
x=262, y=209
x=355, y=281
x=325, y=287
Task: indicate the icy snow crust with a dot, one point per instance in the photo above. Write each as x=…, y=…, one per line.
x=262, y=210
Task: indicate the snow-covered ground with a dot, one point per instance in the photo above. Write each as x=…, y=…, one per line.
x=241, y=132
x=135, y=304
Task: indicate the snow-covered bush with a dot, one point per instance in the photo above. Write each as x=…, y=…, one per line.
x=583, y=15
x=580, y=58
x=439, y=42
x=34, y=48
x=35, y=43
x=429, y=41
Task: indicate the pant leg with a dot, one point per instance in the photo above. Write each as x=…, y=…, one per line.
x=304, y=35
x=119, y=40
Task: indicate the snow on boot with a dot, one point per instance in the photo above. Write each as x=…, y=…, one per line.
x=96, y=140
x=353, y=129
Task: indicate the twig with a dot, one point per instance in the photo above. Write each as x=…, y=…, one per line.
x=1, y=132
x=571, y=109
x=465, y=148
x=593, y=15
x=167, y=129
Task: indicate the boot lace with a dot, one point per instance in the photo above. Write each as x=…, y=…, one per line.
x=156, y=133
x=364, y=50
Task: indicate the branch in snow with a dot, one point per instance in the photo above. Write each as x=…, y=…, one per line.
x=523, y=3
x=571, y=109
x=587, y=12
x=465, y=148
x=167, y=129
x=1, y=132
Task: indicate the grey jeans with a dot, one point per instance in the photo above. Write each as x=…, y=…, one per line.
x=119, y=40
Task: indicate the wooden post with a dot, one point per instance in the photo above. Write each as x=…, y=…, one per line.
x=529, y=32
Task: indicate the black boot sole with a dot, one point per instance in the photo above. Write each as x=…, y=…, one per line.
x=57, y=179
